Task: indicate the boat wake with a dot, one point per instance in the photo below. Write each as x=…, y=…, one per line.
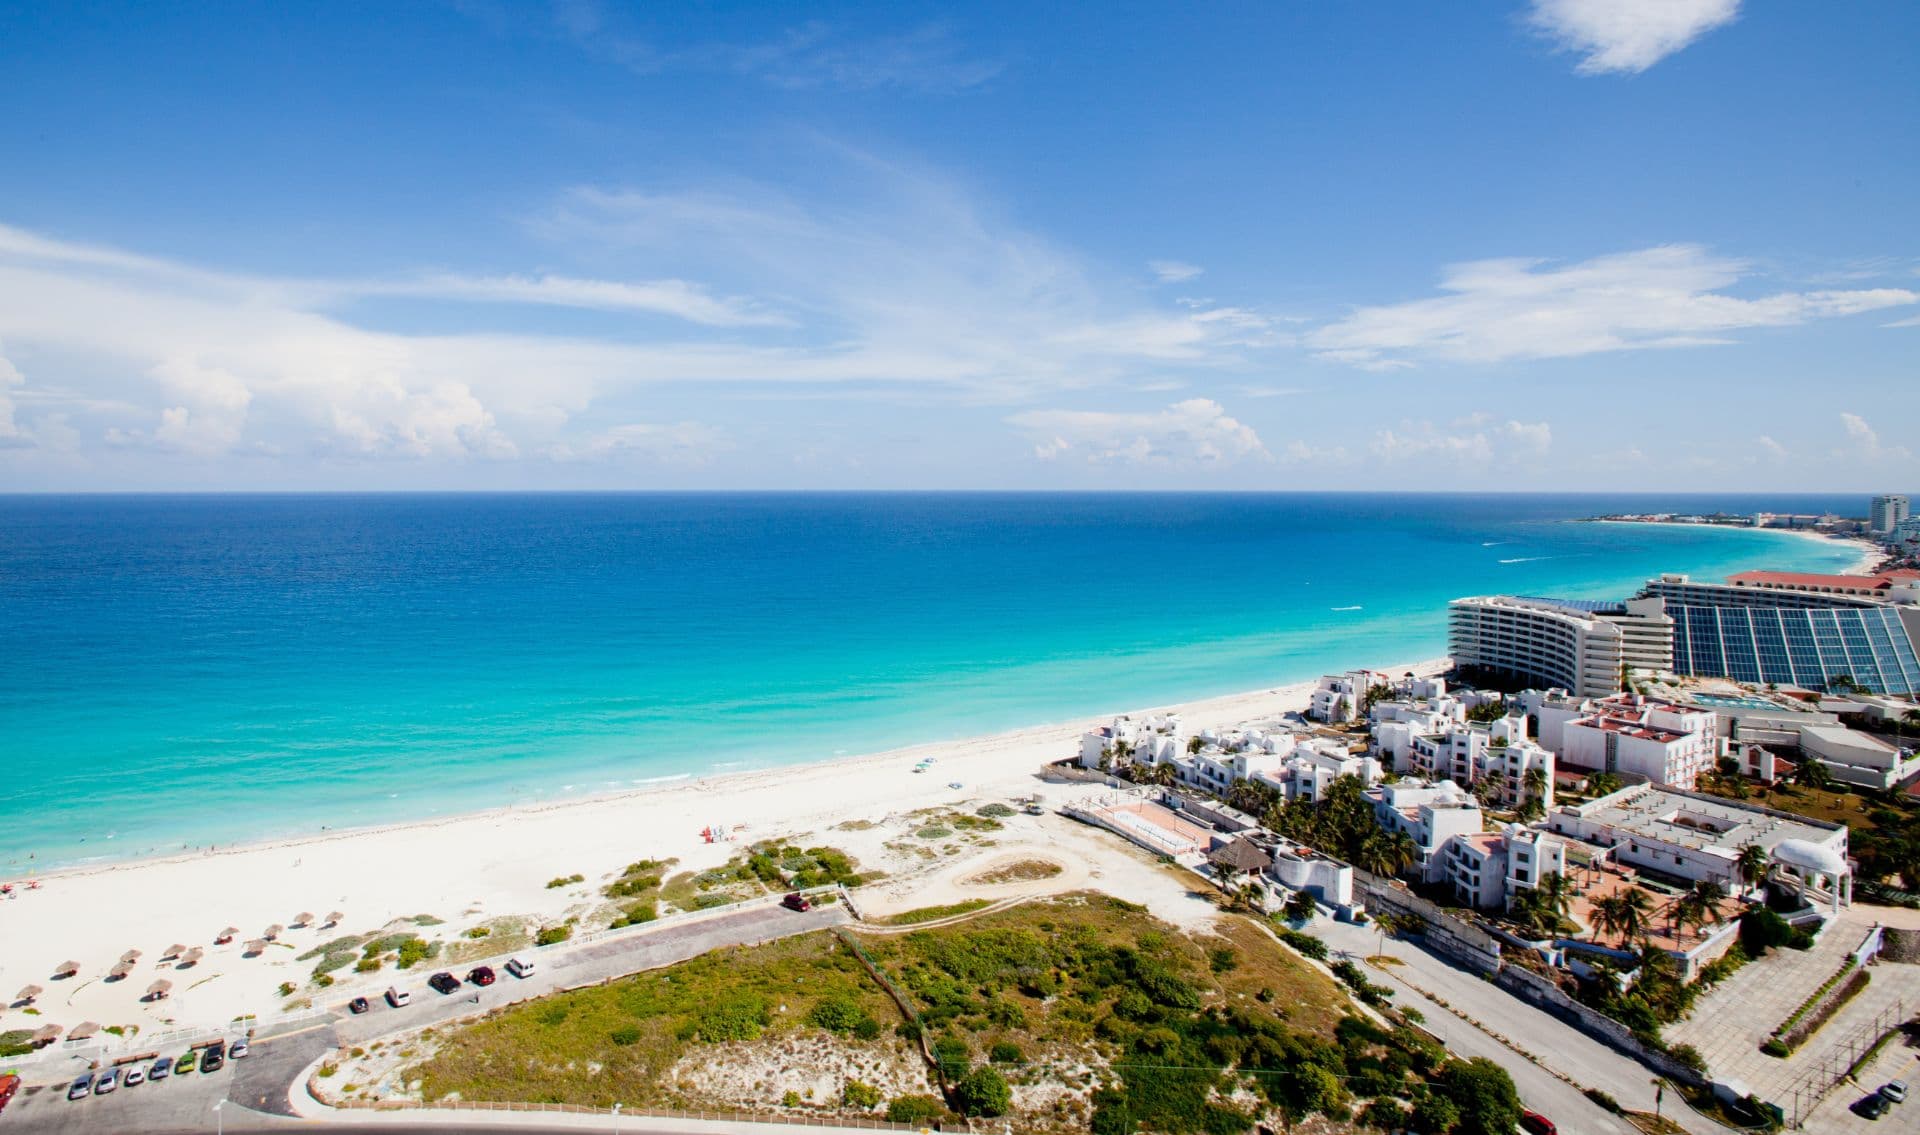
x=1355, y=607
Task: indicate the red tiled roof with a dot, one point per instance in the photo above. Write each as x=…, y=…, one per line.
x=1878, y=582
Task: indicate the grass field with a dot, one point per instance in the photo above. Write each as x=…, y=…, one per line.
x=1036, y=990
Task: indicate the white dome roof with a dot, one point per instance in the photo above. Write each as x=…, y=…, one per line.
x=1808, y=856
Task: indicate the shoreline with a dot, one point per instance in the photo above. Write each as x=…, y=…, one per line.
x=501, y=866
x=661, y=788
x=1870, y=554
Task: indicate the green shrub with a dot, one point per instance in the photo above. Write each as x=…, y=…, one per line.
x=914, y=1109
x=1772, y=1047
x=413, y=951
x=549, y=935
x=1305, y=943
x=983, y=1092
x=321, y=980
x=366, y=965
x=1006, y=1052
x=565, y=881
x=624, y=1035
x=862, y=1096
x=478, y=933
x=952, y=1054
x=1222, y=959
x=1605, y=1101
x=286, y=989
x=739, y=1017
x=636, y=914
x=994, y=811
x=791, y=1099
x=836, y=1014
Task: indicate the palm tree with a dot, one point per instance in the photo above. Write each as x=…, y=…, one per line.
x=1813, y=773
x=1534, y=780
x=1623, y=914
x=1555, y=895
x=1752, y=864
x=1606, y=914
x=1700, y=905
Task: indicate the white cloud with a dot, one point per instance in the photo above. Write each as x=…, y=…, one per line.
x=1194, y=432
x=681, y=443
x=1909, y=321
x=1473, y=440
x=1772, y=449
x=1496, y=310
x=1174, y=271
x=1863, y=443
x=11, y=435
x=677, y=298
x=1627, y=36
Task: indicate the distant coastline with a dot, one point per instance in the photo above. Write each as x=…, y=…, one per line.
x=1870, y=553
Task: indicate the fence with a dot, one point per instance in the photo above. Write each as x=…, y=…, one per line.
x=1836, y=1064
x=1466, y=944
x=784, y=1119
x=1530, y=986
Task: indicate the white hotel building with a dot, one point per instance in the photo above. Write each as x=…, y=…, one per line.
x=1577, y=645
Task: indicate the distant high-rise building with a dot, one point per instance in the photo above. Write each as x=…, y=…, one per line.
x=1888, y=510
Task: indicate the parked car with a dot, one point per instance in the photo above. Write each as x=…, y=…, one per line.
x=162, y=1068
x=134, y=1077
x=81, y=1088
x=9, y=1084
x=237, y=1050
x=443, y=982
x=1874, y=1106
x=214, y=1058
x=1536, y=1124
x=481, y=975
x=106, y=1081
x=397, y=996
x=796, y=901
x=187, y=1061
x=520, y=967
x=358, y=1005
x=1895, y=1090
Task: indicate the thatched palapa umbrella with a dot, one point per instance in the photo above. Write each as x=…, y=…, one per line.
x=304, y=918
x=45, y=1035
x=334, y=918
x=274, y=931
x=66, y=969
x=28, y=993
x=174, y=951
x=192, y=957
x=130, y=956
x=225, y=936
x=255, y=946
x=120, y=971
x=159, y=989
x=83, y=1030
x=1241, y=857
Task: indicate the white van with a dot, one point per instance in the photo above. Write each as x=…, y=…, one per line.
x=397, y=996
x=520, y=967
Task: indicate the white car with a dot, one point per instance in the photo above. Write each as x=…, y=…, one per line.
x=520, y=967
x=236, y=1050
x=134, y=1077
x=397, y=996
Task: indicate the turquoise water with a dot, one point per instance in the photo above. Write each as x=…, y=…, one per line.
x=187, y=670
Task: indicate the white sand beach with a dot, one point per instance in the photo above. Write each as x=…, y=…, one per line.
x=469, y=869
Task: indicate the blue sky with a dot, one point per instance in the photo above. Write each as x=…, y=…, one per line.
x=1544, y=244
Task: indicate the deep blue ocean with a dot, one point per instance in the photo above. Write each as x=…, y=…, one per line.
x=182, y=670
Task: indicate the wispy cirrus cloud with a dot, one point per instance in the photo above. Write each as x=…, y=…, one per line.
x=1477, y=440
x=1174, y=271
x=1627, y=36
x=929, y=59
x=1197, y=431
x=1498, y=310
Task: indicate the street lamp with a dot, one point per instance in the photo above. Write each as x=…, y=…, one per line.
x=616, y=1117
x=1659, y=1094
x=219, y=1121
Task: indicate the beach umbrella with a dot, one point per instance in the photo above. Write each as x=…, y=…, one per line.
x=174, y=951
x=274, y=931
x=159, y=989
x=256, y=945
x=334, y=918
x=192, y=956
x=66, y=969
x=29, y=992
x=304, y=918
x=46, y=1034
x=119, y=971
x=225, y=936
x=130, y=956
x=83, y=1030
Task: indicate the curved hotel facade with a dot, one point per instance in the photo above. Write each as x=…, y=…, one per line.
x=1750, y=634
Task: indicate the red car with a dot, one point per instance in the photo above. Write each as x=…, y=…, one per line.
x=1537, y=1124
x=9, y=1084
x=481, y=975
x=796, y=901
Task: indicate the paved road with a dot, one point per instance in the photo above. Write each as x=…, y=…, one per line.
x=1558, y=1045
x=256, y=1090
x=1835, y=1115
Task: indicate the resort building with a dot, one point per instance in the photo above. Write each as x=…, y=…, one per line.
x=1663, y=743
x=1466, y=753
x=1147, y=741
x=1340, y=699
x=1884, y=585
x=1687, y=837
x=1433, y=814
x=1488, y=869
x=1578, y=645
x=1886, y=512
x=1786, y=637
